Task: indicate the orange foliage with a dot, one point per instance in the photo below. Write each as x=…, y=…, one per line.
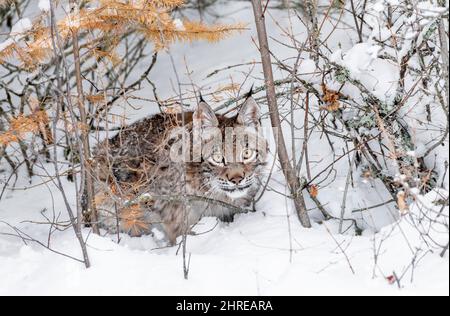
x=314, y=190
x=331, y=99
x=133, y=221
x=20, y=126
x=110, y=20
x=402, y=203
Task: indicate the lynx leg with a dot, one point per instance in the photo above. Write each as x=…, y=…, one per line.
x=176, y=222
x=107, y=218
x=228, y=218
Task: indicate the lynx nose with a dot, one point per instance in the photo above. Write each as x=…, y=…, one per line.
x=235, y=178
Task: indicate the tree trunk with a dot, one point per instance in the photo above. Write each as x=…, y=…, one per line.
x=87, y=179
x=289, y=172
x=59, y=107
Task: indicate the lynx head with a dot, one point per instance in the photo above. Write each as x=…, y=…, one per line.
x=233, y=150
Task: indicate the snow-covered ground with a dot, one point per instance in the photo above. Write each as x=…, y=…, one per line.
x=262, y=253
x=255, y=255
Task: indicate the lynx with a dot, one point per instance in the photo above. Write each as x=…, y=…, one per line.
x=139, y=169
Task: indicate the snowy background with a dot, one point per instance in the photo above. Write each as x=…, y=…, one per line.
x=262, y=253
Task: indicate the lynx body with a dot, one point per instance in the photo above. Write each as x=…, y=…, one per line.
x=139, y=183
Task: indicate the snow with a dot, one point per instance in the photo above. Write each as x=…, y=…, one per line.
x=308, y=69
x=380, y=76
x=44, y=5
x=379, y=6
x=6, y=44
x=360, y=57
x=21, y=26
x=251, y=256
x=261, y=253
x=429, y=9
x=17, y=32
x=393, y=2
x=178, y=24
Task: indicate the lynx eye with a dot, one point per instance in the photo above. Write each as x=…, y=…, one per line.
x=216, y=159
x=248, y=154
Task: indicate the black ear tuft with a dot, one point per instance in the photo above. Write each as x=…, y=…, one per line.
x=201, y=97
x=251, y=92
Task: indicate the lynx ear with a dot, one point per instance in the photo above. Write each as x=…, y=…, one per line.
x=205, y=116
x=249, y=115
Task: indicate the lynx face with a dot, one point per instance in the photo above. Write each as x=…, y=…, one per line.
x=233, y=151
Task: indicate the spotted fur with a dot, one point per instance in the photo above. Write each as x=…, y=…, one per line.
x=137, y=161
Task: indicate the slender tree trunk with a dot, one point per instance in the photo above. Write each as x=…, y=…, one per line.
x=445, y=59
x=87, y=184
x=59, y=108
x=289, y=172
x=313, y=29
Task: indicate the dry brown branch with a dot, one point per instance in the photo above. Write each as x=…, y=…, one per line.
x=289, y=172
